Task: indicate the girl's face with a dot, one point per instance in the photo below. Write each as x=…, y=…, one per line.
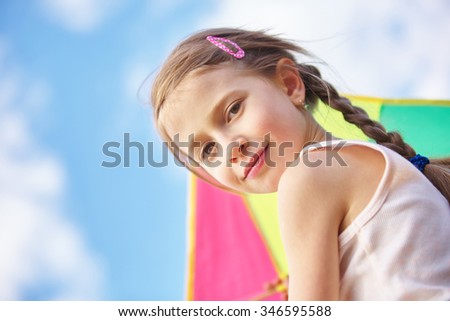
x=243, y=129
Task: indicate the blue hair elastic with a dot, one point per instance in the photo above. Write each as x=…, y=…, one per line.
x=419, y=161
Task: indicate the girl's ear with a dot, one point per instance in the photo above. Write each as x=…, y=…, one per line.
x=288, y=78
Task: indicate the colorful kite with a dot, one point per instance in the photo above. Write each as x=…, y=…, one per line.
x=235, y=250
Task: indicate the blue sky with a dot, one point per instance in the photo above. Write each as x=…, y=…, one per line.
x=128, y=222
x=69, y=76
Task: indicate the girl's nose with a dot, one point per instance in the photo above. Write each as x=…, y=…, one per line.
x=236, y=150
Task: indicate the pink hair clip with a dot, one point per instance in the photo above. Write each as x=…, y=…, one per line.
x=218, y=41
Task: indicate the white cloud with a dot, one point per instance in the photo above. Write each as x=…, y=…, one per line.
x=39, y=246
x=382, y=48
x=80, y=15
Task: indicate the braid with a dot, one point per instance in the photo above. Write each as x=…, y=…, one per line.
x=355, y=115
x=438, y=171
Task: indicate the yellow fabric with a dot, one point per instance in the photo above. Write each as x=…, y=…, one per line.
x=264, y=209
x=333, y=120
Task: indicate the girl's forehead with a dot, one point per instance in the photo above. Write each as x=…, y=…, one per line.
x=198, y=91
x=183, y=100
x=211, y=80
x=185, y=105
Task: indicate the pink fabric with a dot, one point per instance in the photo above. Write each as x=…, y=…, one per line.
x=231, y=261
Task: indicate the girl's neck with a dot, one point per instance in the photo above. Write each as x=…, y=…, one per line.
x=316, y=133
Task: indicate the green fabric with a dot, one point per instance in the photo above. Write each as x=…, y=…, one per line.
x=425, y=128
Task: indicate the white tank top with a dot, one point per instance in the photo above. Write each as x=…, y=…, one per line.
x=398, y=247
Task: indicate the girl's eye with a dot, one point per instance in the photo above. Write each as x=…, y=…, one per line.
x=234, y=109
x=209, y=149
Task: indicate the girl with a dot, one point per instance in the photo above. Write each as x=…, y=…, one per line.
x=359, y=221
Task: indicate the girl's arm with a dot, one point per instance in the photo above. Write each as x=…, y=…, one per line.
x=316, y=203
x=313, y=201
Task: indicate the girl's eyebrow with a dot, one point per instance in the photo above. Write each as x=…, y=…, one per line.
x=227, y=96
x=212, y=114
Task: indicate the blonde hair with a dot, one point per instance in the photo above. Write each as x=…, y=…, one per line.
x=262, y=53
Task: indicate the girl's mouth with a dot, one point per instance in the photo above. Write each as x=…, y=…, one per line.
x=255, y=164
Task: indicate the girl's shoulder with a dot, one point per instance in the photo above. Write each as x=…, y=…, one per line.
x=337, y=179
